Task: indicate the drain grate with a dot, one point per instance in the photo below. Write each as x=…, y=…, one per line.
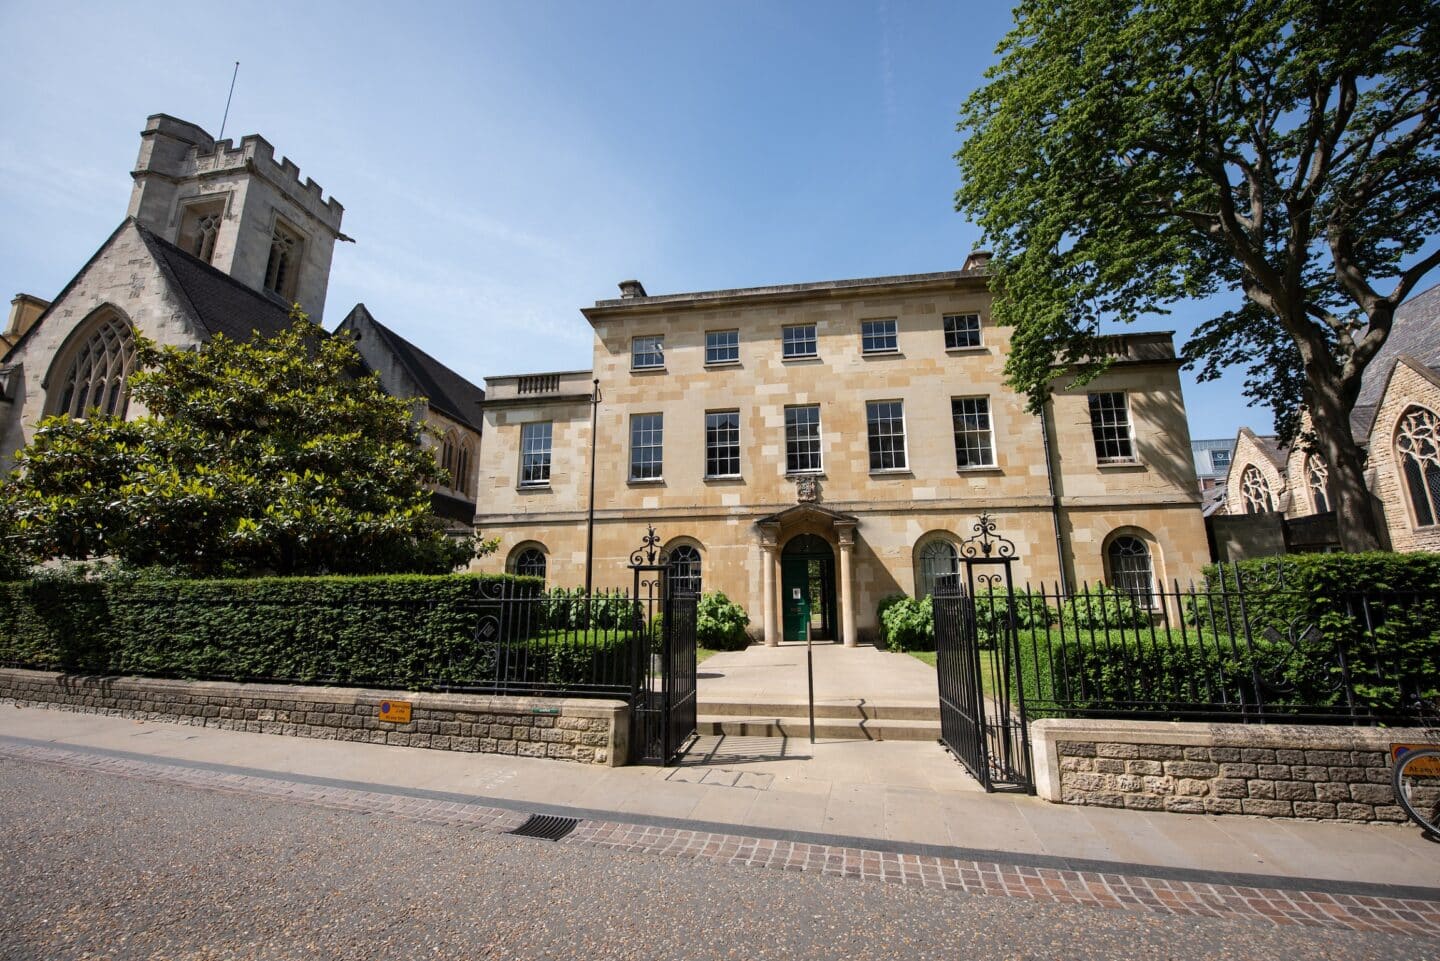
x=546, y=826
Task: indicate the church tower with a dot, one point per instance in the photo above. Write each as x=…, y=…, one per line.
x=237, y=209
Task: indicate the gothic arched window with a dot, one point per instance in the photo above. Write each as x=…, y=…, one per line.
x=1317, y=475
x=454, y=462
x=1255, y=491
x=97, y=377
x=684, y=570
x=284, y=263
x=1417, y=446
x=1131, y=569
x=939, y=567
x=530, y=563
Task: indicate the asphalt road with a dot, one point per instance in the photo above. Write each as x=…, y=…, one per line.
x=96, y=866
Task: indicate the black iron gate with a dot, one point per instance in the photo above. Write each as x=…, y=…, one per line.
x=662, y=698
x=982, y=703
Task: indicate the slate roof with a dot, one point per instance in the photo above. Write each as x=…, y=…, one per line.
x=447, y=391
x=215, y=301
x=1416, y=332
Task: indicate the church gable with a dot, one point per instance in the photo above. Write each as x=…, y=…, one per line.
x=124, y=289
x=1406, y=420
x=1257, y=476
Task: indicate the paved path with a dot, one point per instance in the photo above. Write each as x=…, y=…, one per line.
x=778, y=673
x=834, y=794
x=120, y=858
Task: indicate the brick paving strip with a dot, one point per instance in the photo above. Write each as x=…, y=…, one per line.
x=1280, y=901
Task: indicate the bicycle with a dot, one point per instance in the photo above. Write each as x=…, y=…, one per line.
x=1417, y=784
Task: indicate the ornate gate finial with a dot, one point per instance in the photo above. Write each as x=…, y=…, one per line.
x=985, y=543
x=650, y=553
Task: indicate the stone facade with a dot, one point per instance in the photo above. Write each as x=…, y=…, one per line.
x=876, y=522
x=1272, y=770
x=1411, y=384
x=121, y=279
x=585, y=731
x=181, y=169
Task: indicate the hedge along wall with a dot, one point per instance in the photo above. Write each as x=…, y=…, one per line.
x=406, y=631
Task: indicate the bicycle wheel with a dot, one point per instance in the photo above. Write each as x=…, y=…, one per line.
x=1417, y=787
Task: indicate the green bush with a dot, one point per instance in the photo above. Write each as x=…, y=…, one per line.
x=908, y=625
x=720, y=623
x=389, y=630
x=1100, y=608
x=574, y=608
x=1029, y=611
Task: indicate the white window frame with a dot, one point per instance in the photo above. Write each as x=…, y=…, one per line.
x=657, y=434
x=904, y=451
x=1097, y=427
x=708, y=444
x=548, y=453
x=989, y=431
x=727, y=361
x=945, y=325
x=656, y=348
x=819, y=439
x=813, y=340
x=867, y=334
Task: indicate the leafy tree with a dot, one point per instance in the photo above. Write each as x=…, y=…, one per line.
x=272, y=456
x=1123, y=157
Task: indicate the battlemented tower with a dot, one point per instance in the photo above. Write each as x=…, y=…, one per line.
x=237, y=209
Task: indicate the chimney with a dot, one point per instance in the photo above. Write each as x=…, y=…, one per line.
x=978, y=260
x=630, y=289
x=25, y=309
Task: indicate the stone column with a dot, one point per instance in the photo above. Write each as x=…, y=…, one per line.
x=847, y=590
x=767, y=563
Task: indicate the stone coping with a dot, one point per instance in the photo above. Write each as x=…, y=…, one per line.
x=431, y=700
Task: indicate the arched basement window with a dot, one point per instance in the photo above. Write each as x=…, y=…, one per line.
x=1131, y=569
x=684, y=570
x=939, y=567
x=1317, y=475
x=530, y=563
x=1417, y=447
x=97, y=378
x=1255, y=491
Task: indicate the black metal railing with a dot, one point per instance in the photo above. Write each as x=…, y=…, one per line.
x=503, y=640
x=1221, y=651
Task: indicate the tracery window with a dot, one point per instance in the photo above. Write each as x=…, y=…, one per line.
x=200, y=228
x=97, y=378
x=284, y=263
x=684, y=569
x=1255, y=491
x=1417, y=447
x=1317, y=475
x=1131, y=569
x=454, y=462
x=939, y=567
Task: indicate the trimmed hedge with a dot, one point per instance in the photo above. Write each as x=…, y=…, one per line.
x=1381, y=610
x=391, y=630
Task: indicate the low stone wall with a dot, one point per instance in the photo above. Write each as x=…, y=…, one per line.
x=571, y=729
x=1273, y=770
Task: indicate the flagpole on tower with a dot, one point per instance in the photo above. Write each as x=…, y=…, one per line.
x=227, y=101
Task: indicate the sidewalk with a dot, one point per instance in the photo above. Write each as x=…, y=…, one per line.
x=852, y=791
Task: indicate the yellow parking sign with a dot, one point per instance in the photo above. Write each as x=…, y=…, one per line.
x=397, y=712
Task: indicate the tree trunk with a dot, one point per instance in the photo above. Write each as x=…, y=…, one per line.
x=1355, y=518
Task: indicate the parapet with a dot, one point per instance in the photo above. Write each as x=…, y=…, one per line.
x=181, y=150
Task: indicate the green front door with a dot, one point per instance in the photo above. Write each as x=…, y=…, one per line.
x=795, y=585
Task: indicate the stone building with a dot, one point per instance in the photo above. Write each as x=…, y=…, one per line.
x=219, y=238
x=1279, y=497
x=835, y=438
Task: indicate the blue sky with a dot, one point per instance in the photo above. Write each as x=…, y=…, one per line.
x=502, y=165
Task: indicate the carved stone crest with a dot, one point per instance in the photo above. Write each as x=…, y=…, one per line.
x=807, y=490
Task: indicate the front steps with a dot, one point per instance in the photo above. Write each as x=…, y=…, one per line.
x=852, y=719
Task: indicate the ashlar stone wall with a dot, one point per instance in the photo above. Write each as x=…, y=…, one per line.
x=570, y=729
x=1271, y=770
